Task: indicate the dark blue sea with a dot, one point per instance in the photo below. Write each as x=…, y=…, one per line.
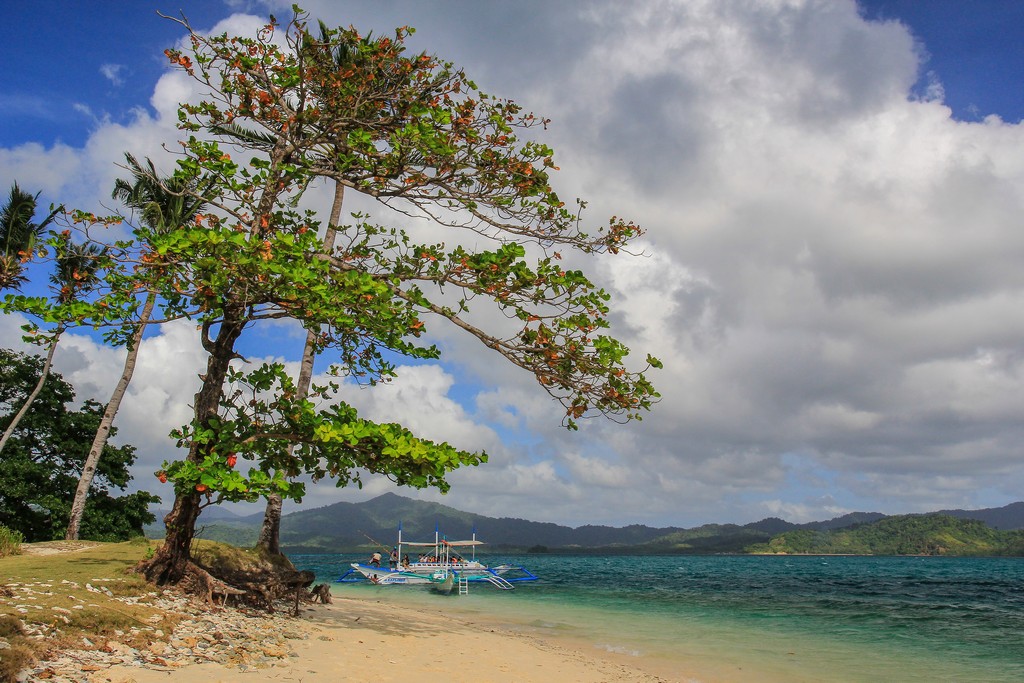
x=757, y=618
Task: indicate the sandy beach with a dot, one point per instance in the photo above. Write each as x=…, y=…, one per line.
x=360, y=640
x=371, y=638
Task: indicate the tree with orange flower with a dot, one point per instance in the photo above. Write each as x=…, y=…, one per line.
x=281, y=112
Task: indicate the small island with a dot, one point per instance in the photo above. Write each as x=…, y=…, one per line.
x=934, y=534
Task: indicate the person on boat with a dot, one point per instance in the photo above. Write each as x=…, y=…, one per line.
x=375, y=560
x=405, y=561
x=393, y=558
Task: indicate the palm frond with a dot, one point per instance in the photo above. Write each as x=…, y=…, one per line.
x=76, y=271
x=17, y=231
x=252, y=138
x=163, y=203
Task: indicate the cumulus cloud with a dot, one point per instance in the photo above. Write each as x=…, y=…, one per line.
x=832, y=269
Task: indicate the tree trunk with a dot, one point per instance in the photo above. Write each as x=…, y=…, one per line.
x=171, y=559
x=35, y=392
x=103, y=432
x=269, y=540
x=270, y=533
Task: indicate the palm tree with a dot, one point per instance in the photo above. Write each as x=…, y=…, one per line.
x=269, y=537
x=18, y=234
x=343, y=55
x=270, y=532
x=163, y=205
x=74, y=276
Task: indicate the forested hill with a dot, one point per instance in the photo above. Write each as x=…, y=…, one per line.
x=357, y=526
x=1006, y=518
x=934, y=534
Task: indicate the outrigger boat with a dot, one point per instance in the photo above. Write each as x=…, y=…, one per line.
x=441, y=565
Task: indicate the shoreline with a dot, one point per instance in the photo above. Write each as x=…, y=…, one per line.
x=360, y=639
x=150, y=635
x=130, y=632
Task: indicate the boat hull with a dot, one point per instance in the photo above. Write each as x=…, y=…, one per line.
x=443, y=582
x=384, y=577
x=422, y=573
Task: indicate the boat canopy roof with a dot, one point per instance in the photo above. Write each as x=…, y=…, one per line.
x=463, y=543
x=431, y=544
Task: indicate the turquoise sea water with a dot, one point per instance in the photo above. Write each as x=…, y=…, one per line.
x=757, y=617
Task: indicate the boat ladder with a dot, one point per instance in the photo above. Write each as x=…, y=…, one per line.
x=499, y=582
x=463, y=585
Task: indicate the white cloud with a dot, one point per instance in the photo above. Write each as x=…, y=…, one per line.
x=419, y=399
x=590, y=472
x=833, y=269
x=158, y=398
x=801, y=513
x=48, y=169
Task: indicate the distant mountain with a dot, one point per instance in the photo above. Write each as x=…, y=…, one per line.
x=774, y=525
x=1006, y=518
x=709, y=538
x=214, y=513
x=215, y=523
x=357, y=526
x=352, y=525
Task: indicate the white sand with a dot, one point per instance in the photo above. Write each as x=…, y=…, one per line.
x=359, y=640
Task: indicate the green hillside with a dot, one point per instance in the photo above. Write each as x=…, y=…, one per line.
x=349, y=527
x=709, y=538
x=934, y=534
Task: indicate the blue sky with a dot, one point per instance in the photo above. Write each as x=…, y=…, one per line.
x=55, y=83
x=834, y=267
x=62, y=95
x=973, y=49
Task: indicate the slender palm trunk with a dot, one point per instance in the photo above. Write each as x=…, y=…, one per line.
x=106, y=422
x=269, y=540
x=35, y=392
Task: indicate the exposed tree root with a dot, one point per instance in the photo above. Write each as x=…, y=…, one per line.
x=219, y=574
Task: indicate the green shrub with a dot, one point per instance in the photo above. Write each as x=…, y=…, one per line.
x=10, y=542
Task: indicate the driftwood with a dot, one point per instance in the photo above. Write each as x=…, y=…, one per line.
x=320, y=593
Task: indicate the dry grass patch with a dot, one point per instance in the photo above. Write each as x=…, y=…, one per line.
x=76, y=600
x=226, y=559
x=16, y=656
